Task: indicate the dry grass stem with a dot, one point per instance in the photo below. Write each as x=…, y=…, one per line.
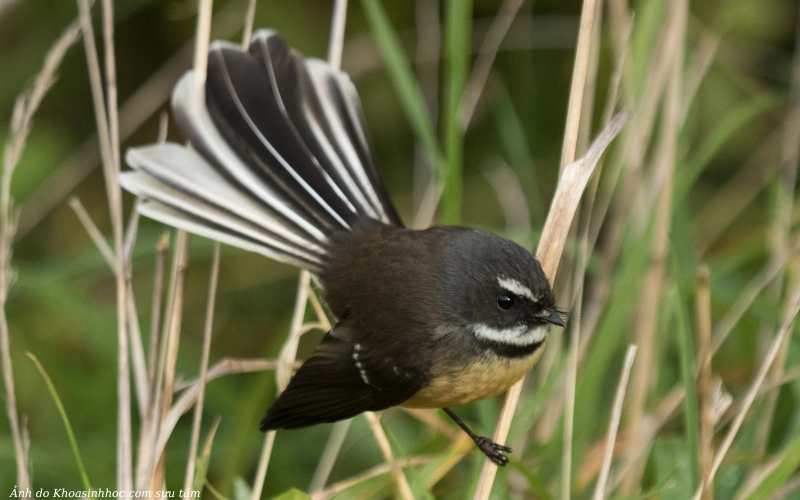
x=108, y=132
x=288, y=353
x=652, y=424
x=751, y=394
x=652, y=288
x=565, y=202
x=426, y=58
x=590, y=83
x=139, y=365
x=289, y=349
x=231, y=366
x=486, y=56
x=135, y=111
x=731, y=199
x=698, y=67
x=263, y=464
x=93, y=232
x=207, y=330
x=779, y=236
x=613, y=425
x=403, y=487
x=749, y=293
x=511, y=197
x=576, y=92
x=336, y=43
x=170, y=340
x=571, y=383
x=171, y=336
x=163, y=127
x=249, y=20
x=571, y=184
x=202, y=41
x=25, y=107
x=129, y=241
x=429, y=418
x=704, y=390
x=158, y=299
x=379, y=470
x=6, y=5
x=427, y=206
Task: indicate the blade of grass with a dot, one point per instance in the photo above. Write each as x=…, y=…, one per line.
x=65, y=419
x=458, y=26
x=687, y=363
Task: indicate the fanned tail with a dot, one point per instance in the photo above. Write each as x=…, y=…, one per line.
x=281, y=160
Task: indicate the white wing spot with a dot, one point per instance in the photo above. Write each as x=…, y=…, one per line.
x=364, y=376
x=516, y=288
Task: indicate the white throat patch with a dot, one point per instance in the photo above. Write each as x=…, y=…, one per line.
x=517, y=335
x=515, y=287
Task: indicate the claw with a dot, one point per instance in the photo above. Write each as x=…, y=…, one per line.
x=493, y=450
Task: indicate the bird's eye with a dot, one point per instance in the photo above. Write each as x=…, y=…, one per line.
x=505, y=302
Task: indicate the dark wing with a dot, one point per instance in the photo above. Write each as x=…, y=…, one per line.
x=342, y=379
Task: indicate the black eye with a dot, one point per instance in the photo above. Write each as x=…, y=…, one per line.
x=505, y=302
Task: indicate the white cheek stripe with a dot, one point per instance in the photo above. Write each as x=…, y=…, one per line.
x=517, y=335
x=516, y=288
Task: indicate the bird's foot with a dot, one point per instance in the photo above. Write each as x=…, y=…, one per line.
x=493, y=450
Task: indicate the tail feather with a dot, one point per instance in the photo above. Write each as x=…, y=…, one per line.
x=324, y=110
x=225, y=233
x=283, y=159
x=246, y=108
x=202, y=199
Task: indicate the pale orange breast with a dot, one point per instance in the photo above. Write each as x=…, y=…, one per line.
x=477, y=380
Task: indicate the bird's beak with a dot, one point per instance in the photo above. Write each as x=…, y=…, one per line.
x=555, y=319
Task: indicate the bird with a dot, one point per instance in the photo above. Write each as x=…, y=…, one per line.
x=280, y=163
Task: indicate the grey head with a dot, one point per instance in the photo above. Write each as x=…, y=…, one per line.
x=498, y=292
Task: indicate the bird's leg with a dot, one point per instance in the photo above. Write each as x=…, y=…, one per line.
x=491, y=449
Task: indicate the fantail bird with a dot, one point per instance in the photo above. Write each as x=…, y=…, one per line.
x=281, y=164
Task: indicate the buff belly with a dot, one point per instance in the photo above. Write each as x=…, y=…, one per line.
x=478, y=380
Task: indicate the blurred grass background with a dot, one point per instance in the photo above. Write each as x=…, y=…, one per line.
x=62, y=307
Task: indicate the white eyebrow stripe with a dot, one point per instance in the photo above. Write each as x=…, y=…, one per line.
x=516, y=288
x=517, y=335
